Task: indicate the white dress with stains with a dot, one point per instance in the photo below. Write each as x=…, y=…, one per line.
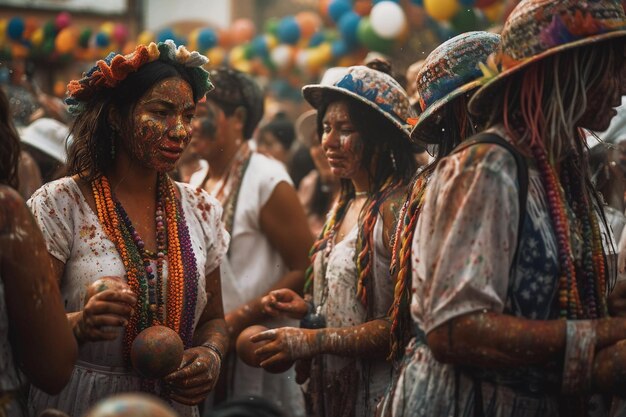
x=342, y=386
x=74, y=236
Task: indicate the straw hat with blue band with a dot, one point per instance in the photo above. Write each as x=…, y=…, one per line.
x=450, y=71
x=537, y=29
x=371, y=87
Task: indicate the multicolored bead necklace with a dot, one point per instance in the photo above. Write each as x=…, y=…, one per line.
x=147, y=282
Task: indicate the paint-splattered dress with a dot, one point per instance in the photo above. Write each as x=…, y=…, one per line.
x=74, y=236
x=463, y=248
x=340, y=386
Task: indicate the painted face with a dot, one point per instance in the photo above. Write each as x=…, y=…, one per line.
x=341, y=142
x=161, y=128
x=214, y=147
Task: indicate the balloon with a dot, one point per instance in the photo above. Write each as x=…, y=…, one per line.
x=271, y=26
x=102, y=40
x=15, y=28
x=388, y=19
x=216, y=56
x=145, y=37
x=30, y=26
x=59, y=88
x=441, y=10
x=416, y=16
x=165, y=34
x=348, y=25
x=494, y=12
x=380, y=1
x=19, y=51
x=302, y=59
x=49, y=30
x=309, y=23
x=224, y=37
x=108, y=28
x=419, y=3
x=242, y=30
x=467, y=3
x=63, y=20
x=288, y=30
x=120, y=33
x=465, y=20
x=362, y=7
x=237, y=54
x=323, y=6
x=317, y=39
x=368, y=37
x=338, y=8
x=339, y=48
x=38, y=37
x=481, y=4
x=48, y=46
x=66, y=40
x=282, y=56
x=207, y=39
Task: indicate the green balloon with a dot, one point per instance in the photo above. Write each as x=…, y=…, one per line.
x=465, y=20
x=367, y=37
x=83, y=39
x=47, y=47
x=49, y=30
x=271, y=26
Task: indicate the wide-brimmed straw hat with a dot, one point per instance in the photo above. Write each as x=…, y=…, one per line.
x=450, y=71
x=49, y=136
x=375, y=89
x=537, y=29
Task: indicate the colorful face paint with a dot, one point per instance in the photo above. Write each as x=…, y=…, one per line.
x=341, y=141
x=161, y=126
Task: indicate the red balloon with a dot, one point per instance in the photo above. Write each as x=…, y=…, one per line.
x=481, y=4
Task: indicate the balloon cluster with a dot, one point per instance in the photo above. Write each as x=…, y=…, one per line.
x=59, y=38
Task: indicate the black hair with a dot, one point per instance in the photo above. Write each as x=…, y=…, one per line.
x=381, y=140
x=300, y=164
x=9, y=145
x=283, y=130
x=90, y=152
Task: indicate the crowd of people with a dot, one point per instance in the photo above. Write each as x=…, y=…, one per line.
x=453, y=250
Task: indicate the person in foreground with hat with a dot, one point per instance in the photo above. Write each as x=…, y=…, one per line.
x=362, y=123
x=270, y=237
x=445, y=83
x=511, y=277
x=119, y=215
x=36, y=342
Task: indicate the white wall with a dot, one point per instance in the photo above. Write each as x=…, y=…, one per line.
x=162, y=13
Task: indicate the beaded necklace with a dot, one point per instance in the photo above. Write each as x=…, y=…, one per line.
x=146, y=282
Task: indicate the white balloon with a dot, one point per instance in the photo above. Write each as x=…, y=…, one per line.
x=388, y=19
x=302, y=59
x=281, y=56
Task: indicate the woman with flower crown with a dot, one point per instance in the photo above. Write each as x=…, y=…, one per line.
x=343, y=339
x=513, y=263
x=119, y=214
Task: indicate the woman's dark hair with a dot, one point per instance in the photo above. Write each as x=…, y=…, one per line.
x=9, y=145
x=383, y=143
x=283, y=130
x=300, y=165
x=90, y=152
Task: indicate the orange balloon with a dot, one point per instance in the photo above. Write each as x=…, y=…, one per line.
x=324, y=7
x=243, y=31
x=30, y=26
x=59, y=88
x=362, y=7
x=309, y=23
x=224, y=37
x=66, y=40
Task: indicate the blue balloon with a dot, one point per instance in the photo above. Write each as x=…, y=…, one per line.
x=339, y=48
x=166, y=34
x=5, y=75
x=467, y=3
x=102, y=40
x=338, y=8
x=419, y=3
x=15, y=28
x=288, y=30
x=259, y=46
x=207, y=38
x=348, y=25
x=317, y=39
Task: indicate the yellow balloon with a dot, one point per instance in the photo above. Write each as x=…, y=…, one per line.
x=3, y=30
x=326, y=52
x=441, y=10
x=37, y=37
x=145, y=37
x=243, y=66
x=192, y=40
x=107, y=27
x=494, y=12
x=237, y=54
x=271, y=41
x=216, y=56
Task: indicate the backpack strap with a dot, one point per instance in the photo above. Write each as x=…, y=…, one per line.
x=522, y=179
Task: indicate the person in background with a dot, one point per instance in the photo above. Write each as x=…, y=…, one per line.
x=270, y=238
x=120, y=215
x=275, y=139
x=46, y=141
x=36, y=340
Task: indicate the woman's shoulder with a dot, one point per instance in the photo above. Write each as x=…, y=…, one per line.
x=63, y=190
x=11, y=204
x=198, y=199
x=267, y=166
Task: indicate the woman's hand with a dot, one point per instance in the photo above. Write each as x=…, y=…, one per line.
x=286, y=344
x=196, y=376
x=103, y=314
x=286, y=302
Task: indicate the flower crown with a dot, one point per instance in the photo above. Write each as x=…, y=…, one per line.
x=108, y=73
